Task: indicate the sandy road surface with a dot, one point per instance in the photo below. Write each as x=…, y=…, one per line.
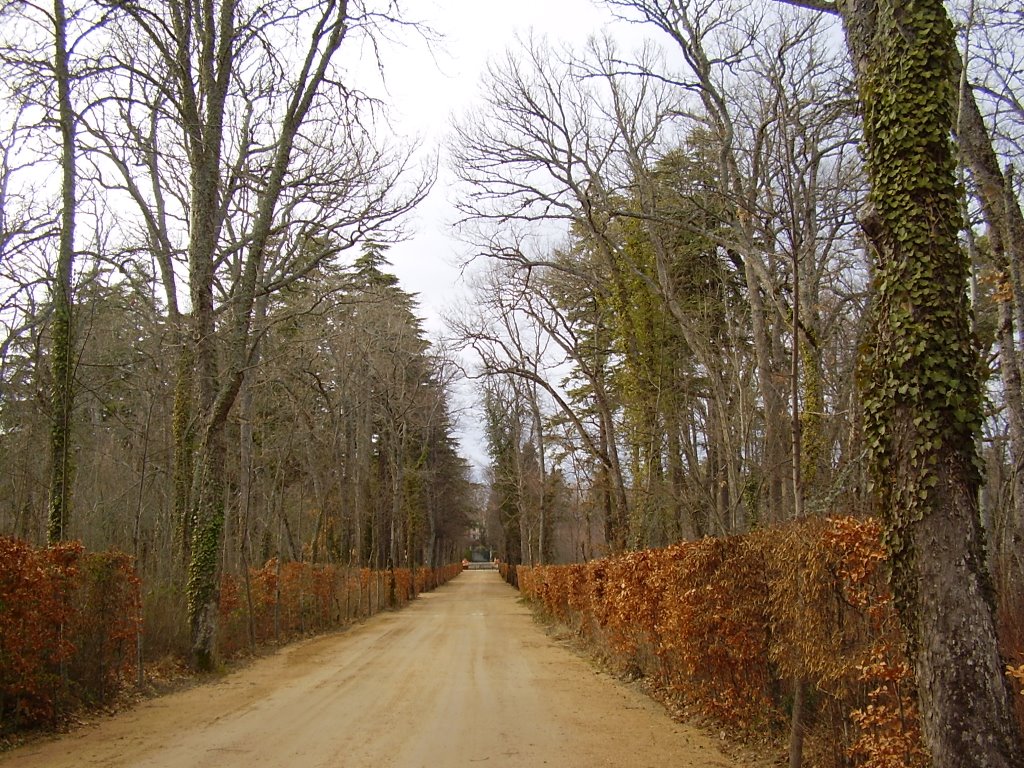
x=463, y=677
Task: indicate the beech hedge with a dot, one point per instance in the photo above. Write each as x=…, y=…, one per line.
x=283, y=600
x=70, y=621
x=728, y=627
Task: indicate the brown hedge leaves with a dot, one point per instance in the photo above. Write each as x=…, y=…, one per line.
x=726, y=625
x=70, y=620
x=292, y=599
x=68, y=627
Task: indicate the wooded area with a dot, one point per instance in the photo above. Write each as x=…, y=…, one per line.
x=219, y=381
x=766, y=267
x=774, y=300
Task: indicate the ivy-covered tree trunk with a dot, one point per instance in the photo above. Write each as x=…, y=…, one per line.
x=921, y=383
x=206, y=495
x=182, y=433
x=204, y=560
x=63, y=337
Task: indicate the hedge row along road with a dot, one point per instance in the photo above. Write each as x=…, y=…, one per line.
x=462, y=677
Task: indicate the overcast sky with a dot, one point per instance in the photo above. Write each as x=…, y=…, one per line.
x=425, y=91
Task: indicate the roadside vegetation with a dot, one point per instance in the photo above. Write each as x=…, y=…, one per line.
x=746, y=324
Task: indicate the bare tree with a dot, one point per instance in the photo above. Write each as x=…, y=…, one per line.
x=39, y=60
x=695, y=188
x=63, y=346
x=278, y=159
x=529, y=328
x=990, y=148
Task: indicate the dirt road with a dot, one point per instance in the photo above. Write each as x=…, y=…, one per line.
x=462, y=677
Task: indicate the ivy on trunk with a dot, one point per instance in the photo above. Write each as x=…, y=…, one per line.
x=920, y=379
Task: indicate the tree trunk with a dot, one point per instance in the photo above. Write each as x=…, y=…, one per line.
x=63, y=341
x=183, y=439
x=796, y=725
x=206, y=503
x=773, y=461
x=1005, y=224
x=203, y=567
x=538, y=430
x=616, y=522
x=920, y=380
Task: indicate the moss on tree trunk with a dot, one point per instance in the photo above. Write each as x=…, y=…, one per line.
x=920, y=379
x=63, y=334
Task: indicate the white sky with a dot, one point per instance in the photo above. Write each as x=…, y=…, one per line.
x=425, y=91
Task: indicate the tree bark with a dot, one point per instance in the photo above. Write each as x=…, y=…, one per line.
x=63, y=340
x=920, y=380
x=1005, y=224
x=216, y=390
